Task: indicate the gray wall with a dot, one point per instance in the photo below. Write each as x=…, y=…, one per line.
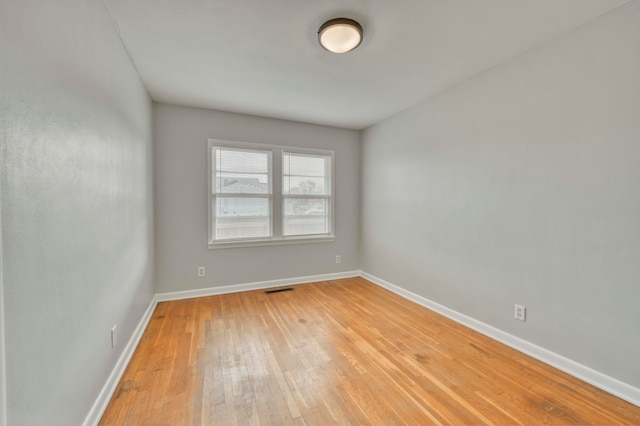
x=521, y=185
x=3, y=370
x=180, y=158
x=76, y=204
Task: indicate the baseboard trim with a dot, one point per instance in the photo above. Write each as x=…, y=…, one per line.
x=259, y=285
x=97, y=410
x=609, y=384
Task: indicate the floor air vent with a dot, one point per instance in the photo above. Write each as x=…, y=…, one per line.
x=279, y=290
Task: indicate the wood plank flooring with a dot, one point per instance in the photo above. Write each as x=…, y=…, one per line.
x=339, y=352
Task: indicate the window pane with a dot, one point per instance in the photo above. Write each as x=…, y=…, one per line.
x=304, y=185
x=304, y=216
x=242, y=218
x=306, y=174
x=241, y=171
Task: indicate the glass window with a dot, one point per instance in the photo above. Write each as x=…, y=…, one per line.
x=263, y=194
x=242, y=193
x=306, y=193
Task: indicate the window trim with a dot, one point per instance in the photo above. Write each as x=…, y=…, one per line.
x=277, y=197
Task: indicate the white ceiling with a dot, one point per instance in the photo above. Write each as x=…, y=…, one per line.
x=262, y=57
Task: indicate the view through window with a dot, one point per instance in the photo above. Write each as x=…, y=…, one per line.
x=306, y=191
x=262, y=194
x=242, y=195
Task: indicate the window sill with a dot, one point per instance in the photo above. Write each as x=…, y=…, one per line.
x=278, y=242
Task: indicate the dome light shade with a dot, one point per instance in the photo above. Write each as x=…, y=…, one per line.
x=340, y=35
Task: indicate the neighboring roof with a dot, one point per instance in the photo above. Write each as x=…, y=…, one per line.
x=243, y=185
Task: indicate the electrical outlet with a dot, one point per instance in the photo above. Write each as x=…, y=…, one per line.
x=338, y=259
x=201, y=271
x=114, y=336
x=520, y=313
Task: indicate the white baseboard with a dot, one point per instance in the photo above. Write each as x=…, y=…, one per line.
x=97, y=410
x=213, y=291
x=609, y=384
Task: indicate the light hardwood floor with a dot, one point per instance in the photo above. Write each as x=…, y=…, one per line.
x=339, y=352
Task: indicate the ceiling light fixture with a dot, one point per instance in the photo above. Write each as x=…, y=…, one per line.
x=340, y=35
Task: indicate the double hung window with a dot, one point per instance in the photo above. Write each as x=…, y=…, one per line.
x=242, y=193
x=306, y=193
x=265, y=194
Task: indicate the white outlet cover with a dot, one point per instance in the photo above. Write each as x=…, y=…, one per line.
x=520, y=312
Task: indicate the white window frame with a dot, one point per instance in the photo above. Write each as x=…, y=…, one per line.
x=328, y=198
x=267, y=196
x=277, y=198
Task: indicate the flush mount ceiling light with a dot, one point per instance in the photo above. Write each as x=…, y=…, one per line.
x=340, y=35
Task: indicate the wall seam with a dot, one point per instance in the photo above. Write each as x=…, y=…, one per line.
x=3, y=369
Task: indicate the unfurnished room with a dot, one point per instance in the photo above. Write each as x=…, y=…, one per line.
x=276, y=212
